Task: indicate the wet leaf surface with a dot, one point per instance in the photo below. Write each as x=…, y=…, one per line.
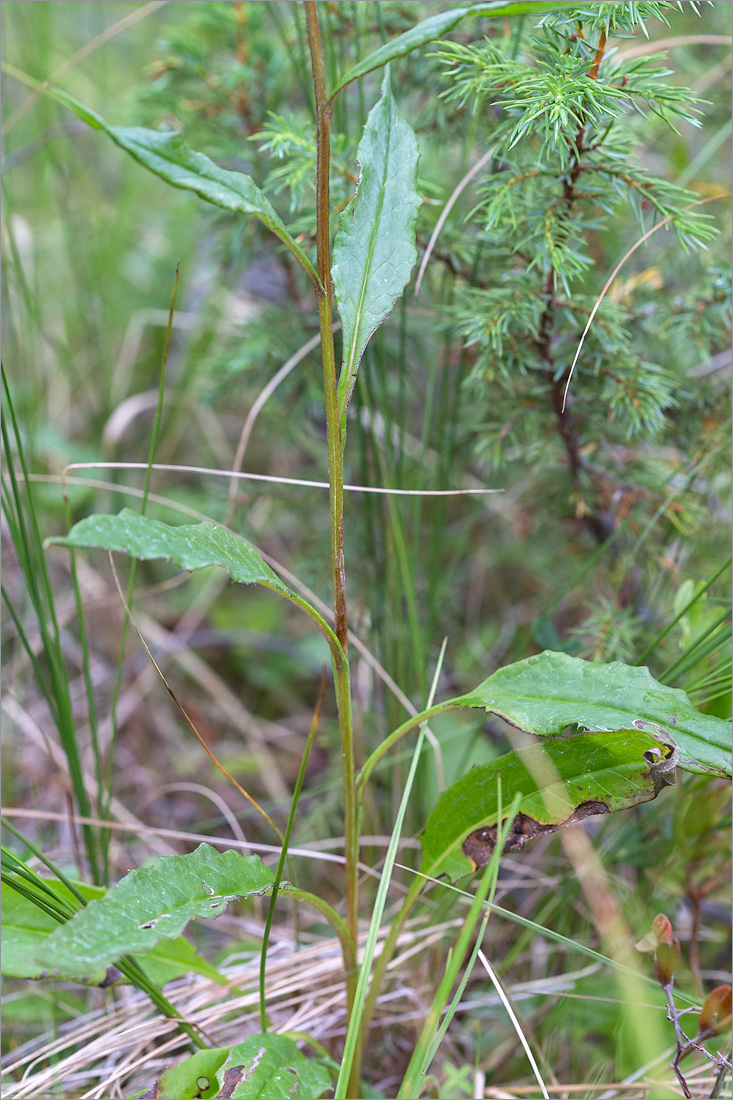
x=545, y=694
x=150, y=904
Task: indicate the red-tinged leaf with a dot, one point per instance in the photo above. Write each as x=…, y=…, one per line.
x=716, y=1011
x=662, y=929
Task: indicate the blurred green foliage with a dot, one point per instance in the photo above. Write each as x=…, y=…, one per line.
x=592, y=548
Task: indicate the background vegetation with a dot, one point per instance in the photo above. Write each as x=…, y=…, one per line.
x=612, y=513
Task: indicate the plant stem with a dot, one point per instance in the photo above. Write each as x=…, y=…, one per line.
x=339, y=926
x=356, y=1036
x=385, y=957
x=335, y=461
x=336, y=921
x=335, y=466
x=566, y=424
x=396, y=735
x=351, y=804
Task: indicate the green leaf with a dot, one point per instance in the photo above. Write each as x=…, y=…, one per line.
x=561, y=781
x=436, y=26
x=374, y=248
x=149, y=904
x=546, y=693
x=273, y=1067
x=171, y=959
x=187, y=1080
x=189, y=546
x=25, y=927
x=168, y=156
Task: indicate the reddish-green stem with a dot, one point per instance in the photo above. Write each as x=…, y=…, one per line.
x=335, y=467
x=335, y=461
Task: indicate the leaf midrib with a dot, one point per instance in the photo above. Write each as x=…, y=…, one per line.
x=372, y=244
x=575, y=702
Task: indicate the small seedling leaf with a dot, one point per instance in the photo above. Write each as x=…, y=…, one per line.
x=374, y=248
x=192, y=1079
x=667, y=957
x=715, y=1016
x=152, y=903
x=662, y=929
x=272, y=1067
x=561, y=782
x=189, y=546
x=545, y=694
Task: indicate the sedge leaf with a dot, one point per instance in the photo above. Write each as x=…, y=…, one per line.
x=546, y=693
x=374, y=248
x=562, y=781
x=168, y=156
x=436, y=26
x=152, y=903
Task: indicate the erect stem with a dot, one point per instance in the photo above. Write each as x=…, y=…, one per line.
x=385, y=956
x=335, y=469
x=339, y=927
x=600, y=50
x=335, y=462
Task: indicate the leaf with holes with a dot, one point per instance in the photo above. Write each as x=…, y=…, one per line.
x=546, y=693
x=25, y=927
x=374, y=248
x=192, y=1079
x=150, y=904
x=271, y=1066
x=168, y=156
x=562, y=781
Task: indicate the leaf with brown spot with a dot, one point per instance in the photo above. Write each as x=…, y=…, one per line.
x=272, y=1068
x=192, y=1079
x=232, y=1077
x=560, y=781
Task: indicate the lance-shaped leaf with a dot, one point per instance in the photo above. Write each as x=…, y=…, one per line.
x=168, y=156
x=546, y=693
x=189, y=546
x=561, y=782
x=25, y=927
x=436, y=26
x=271, y=1066
x=374, y=248
x=155, y=902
